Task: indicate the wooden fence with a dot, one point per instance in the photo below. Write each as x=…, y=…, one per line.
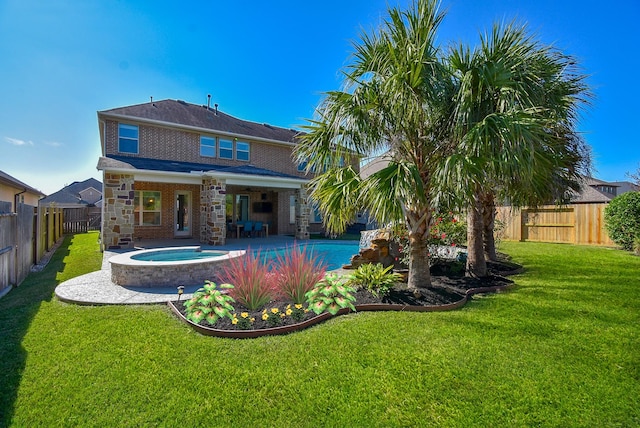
x=25, y=236
x=77, y=220
x=574, y=224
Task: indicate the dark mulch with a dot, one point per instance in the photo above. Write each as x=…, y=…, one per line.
x=449, y=285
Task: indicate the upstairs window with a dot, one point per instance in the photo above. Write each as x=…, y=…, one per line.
x=127, y=138
x=207, y=146
x=226, y=149
x=242, y=151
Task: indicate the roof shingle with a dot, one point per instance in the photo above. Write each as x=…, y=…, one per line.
x=186, y=114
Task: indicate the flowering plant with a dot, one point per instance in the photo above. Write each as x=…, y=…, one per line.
x=273, y=317
x=296, y=312
x=446, y=230
x=245, y=322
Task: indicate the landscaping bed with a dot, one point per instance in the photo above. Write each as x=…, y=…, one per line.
x=450, y=290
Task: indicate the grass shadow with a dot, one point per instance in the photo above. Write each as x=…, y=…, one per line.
x=17, y=310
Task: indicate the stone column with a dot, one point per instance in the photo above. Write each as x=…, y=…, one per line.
x=118, y=217
x=302, y=214
x=213, y=225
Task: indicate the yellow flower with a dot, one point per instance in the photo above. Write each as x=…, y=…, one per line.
x=264, y=312
x=275, y=310
x=282, y=315
x=289, y=311
x=265, y=316
x=253, y=319
x=244, y=314
x=289, y=306
x=298, y=306
x=234, y=321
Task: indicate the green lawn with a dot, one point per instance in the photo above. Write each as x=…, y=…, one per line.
x=560, y=349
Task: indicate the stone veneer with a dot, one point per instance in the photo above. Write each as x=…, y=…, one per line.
x=302, y=214
x=118, y=216
x=213, y=211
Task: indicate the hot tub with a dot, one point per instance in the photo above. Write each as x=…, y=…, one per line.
x=168, y=267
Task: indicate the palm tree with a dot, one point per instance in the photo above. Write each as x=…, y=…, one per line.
x=396, y=98
x=515, y=116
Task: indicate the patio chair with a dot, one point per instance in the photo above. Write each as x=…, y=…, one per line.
x=257, y=229
x=248, y=228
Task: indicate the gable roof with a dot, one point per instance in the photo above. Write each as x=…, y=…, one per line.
x=147, y=164
x=71, y=194
x=14, y=182
x=181, y=113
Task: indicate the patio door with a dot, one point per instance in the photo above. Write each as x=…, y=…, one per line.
x=183, y=214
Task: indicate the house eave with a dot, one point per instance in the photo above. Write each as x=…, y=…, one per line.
x=195, y=177
x=102, y=115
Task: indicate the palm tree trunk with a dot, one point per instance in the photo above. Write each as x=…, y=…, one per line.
x=419, y=269
x=488, y=223
x=476, y=263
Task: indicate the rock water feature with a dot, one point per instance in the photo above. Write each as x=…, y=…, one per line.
x=378, y=246
x=375, y=247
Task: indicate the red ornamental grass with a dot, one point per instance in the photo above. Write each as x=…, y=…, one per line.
x=297, y=271
x=254, y=284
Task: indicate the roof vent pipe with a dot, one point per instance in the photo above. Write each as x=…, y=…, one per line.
x=208, y=101
x=216, y=106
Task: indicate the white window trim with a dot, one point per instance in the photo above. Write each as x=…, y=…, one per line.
x=140, y=214
x=248, y=151
x=215, y=146
x=137, y=140
x=220, y=140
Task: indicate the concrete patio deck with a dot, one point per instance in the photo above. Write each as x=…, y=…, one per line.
x=96, y=288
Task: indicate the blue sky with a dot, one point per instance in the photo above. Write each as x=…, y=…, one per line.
x=269, y=62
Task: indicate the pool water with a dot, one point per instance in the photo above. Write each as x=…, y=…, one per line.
x=176, y=255
x=333, y=254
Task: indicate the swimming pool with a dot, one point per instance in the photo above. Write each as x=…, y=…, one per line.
x=334, y=254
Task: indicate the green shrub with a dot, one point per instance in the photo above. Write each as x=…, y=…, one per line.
x=622, y=219
x=375, y=278
x=209, y=303
x=331, y=295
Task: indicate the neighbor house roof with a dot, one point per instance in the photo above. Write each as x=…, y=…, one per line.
x=14, y=182
x=590, y=191
x=184, y=114
x=590, y=194
x=71, y=194
x=147, y=164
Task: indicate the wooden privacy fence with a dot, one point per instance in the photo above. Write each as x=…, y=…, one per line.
x=78, y=220
x=25, y=236
x=572, y=224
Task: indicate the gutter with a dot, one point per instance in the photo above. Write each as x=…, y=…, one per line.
x=235, y=178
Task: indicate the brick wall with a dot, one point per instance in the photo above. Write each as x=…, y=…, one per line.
x=168, y=216
x=183, y=146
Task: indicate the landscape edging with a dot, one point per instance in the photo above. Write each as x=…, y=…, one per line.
x=245, y=334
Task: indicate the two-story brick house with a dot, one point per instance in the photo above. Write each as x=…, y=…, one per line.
x=173, y=169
